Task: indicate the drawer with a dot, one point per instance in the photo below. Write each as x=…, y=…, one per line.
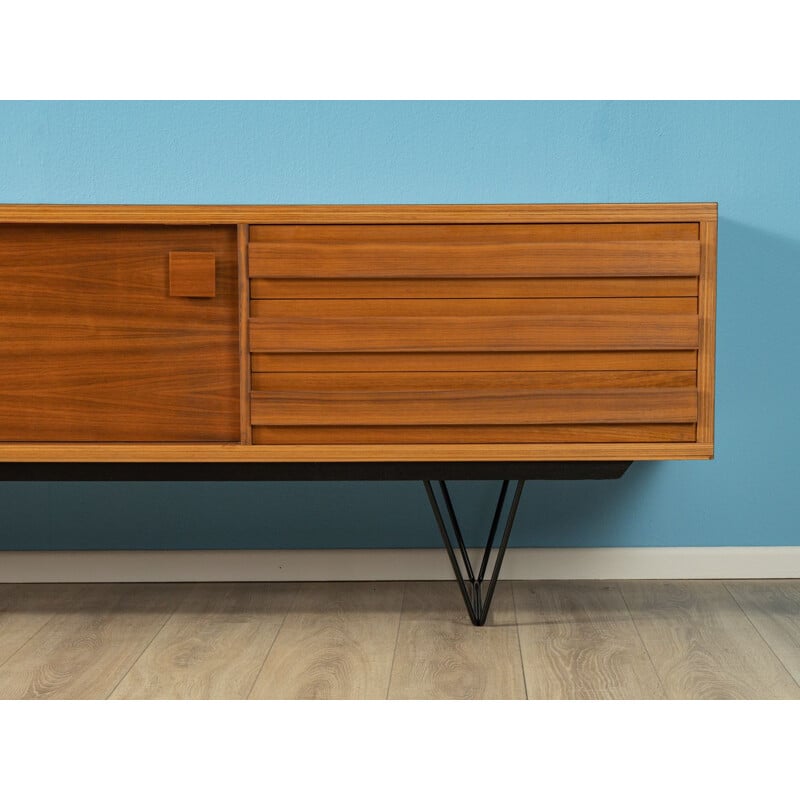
x=292, y=252
x=482, y=398
x=396, y=407
x=496, y=333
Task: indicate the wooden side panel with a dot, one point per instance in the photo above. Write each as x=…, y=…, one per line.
x=245, y=429
x=707, y=310
x=93, y=348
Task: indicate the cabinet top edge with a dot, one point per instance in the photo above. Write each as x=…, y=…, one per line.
x=357, y=214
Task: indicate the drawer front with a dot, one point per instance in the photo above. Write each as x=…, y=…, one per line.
x=474, y=333
x=118, y=333
x=473, y=251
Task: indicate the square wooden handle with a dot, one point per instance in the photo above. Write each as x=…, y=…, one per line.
x=192, y=274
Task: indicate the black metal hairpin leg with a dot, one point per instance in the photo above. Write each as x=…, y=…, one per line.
x=471, y=586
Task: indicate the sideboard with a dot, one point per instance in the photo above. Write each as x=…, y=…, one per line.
x=357, y=342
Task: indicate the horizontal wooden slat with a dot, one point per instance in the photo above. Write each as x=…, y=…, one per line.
x=535, y=259
x=474, y=407
x=490, y=362
x=264, y=288
x=472, y=434
x=474, y=333
x=477, y=233
x=416, y=383
x=473, y=307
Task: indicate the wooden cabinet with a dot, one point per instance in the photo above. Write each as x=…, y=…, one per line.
x=348, y=333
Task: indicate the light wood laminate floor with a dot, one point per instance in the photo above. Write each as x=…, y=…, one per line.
x=543, y=640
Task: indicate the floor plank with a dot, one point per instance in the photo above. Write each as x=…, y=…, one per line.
x=774, y=608
x=441, y=655
x=26, y=607
x=85, y=649
x=213, y=646
x=702, y=644
x=693, y=639
x=336, y=642
x=578, y=642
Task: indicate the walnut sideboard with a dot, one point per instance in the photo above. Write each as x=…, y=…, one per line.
x=364, y=342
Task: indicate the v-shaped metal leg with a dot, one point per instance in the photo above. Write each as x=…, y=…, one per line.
x=471, y=585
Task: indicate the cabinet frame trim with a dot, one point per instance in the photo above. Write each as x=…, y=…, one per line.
x=359, y=214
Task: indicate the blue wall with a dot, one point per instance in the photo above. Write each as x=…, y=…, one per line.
x=743, y=155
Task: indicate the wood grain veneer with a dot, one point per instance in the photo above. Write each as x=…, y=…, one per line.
x=472, y=260
x=361, y=214
x=470, y=361
x=471, y=307
x=474, y=406
x=473, y=434
x=404, y=332
x=388, y=288
x=192, y=274
x=706, y=349
x=92, y=346
x=396, y=231
x=407, y=407
x=487, y=382
x=245, y=428
x=177, y=453
x=365, y=333
x=486, y=333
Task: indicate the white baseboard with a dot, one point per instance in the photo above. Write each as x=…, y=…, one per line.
x=601, y=563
